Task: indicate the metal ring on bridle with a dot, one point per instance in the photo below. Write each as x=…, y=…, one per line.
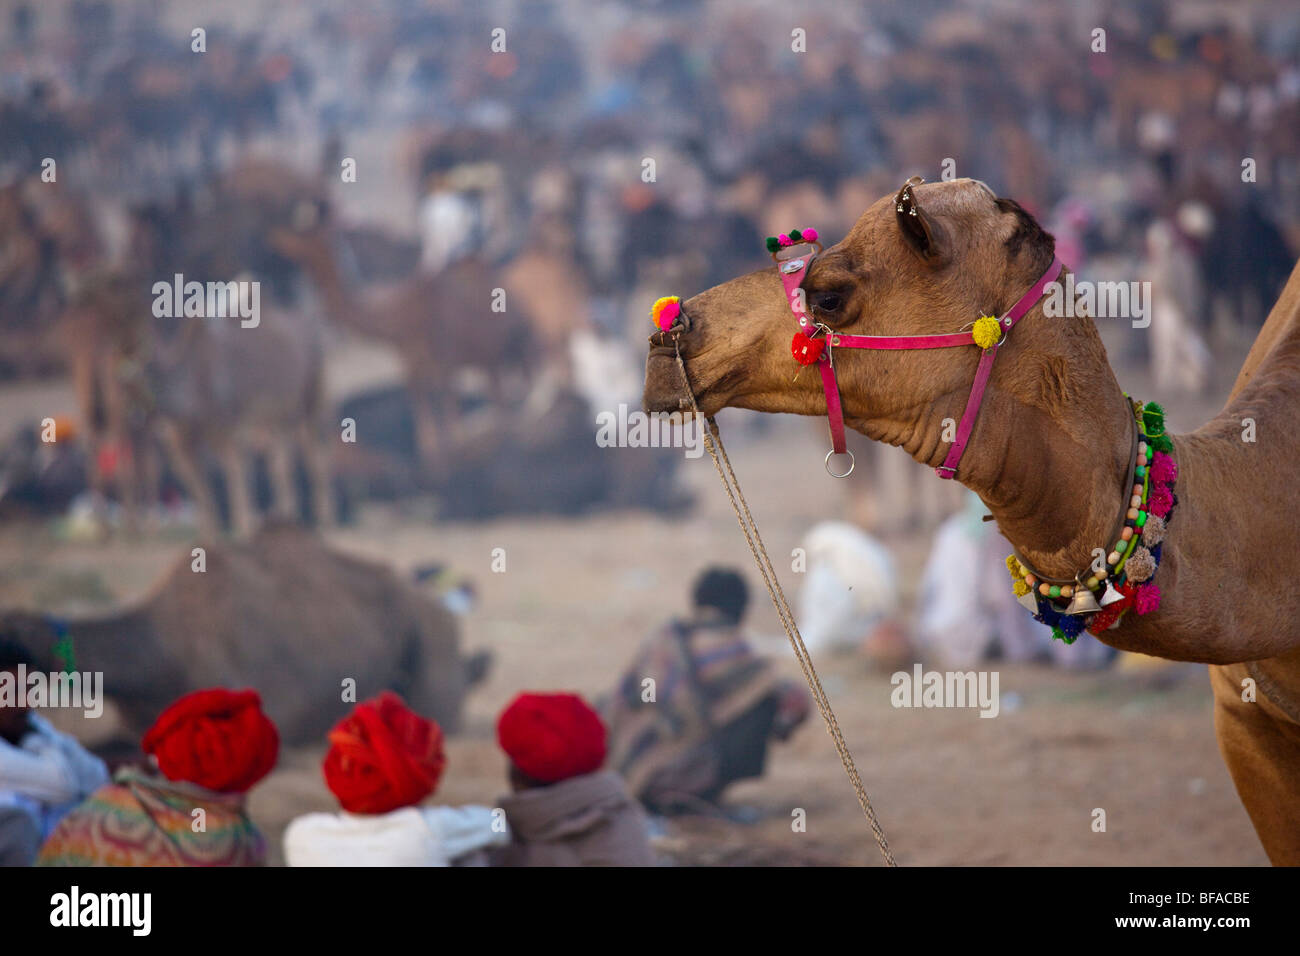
x=852, y=463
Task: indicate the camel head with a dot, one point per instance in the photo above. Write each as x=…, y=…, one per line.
x=954, y=252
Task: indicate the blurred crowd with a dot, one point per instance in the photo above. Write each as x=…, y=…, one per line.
x=587, y=158
x=383, y=170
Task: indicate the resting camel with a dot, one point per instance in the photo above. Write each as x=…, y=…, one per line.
x=284, y=613
x=1051, y=445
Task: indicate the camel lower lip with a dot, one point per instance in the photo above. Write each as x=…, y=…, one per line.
x=664, y=390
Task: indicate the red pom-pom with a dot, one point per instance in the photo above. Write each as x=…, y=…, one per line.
x=806, y=351
x=1164, y=470
x=1147, y=600
x=1159, y=501
x=810, y=235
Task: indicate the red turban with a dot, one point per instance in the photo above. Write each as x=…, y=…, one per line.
x=552, y=737
x=219, y=739
x=383, y=756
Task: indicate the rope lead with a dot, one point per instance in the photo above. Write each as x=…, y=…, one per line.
x=713, y=442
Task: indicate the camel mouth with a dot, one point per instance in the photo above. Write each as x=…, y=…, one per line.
x=665, y=392
x=663, y=383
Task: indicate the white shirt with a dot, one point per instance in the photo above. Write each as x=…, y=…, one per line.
x=48, y=773
x=412, y=836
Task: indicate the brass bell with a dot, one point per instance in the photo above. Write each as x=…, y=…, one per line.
x=1083, y=602
x=1111, y=596
x=1029, y=602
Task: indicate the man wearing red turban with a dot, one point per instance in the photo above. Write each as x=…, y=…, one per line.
x=384, y=759
x=210, y=747
x=564, y=810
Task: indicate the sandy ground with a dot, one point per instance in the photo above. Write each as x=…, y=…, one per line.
x=950, y=788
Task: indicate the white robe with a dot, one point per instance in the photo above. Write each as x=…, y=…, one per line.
x=411, y=836
x=49, y=774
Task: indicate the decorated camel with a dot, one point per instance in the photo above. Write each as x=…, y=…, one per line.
x=1173, y=546
x=283, y=613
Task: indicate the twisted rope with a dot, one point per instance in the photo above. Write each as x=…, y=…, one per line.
x=713, y=442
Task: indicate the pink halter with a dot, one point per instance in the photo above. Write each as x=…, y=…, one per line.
x=793, y=272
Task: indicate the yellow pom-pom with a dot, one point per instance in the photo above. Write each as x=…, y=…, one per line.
x=1018, y=583
x=987, y=331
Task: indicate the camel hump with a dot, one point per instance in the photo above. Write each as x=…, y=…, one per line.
x=1277, y=346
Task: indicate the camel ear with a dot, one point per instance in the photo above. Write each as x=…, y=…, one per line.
x=920, y=231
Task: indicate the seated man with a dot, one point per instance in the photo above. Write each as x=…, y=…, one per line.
x=211, y=747
x=697, y=708
x=384, y=759
x=563, y=810
x=43, y=773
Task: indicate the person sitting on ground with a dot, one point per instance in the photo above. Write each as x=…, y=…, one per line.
x=384, y=759
x=697, y=708
x=563, y=810
x=210, y=748
x=43, y=773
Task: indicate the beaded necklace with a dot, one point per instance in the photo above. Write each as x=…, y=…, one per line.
x=1122, y=578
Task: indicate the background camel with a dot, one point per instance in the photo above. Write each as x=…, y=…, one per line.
x=1051, y=446
x=203, y=386
x=442, y=325
x=284, y=613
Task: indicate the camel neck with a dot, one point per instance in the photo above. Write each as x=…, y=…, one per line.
x=1050, y=450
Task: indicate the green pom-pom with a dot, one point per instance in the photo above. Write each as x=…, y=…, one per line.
x=1058, y=634
x=1153, y=417
x=796, y=235
x=1161, y=443
x=773, y=244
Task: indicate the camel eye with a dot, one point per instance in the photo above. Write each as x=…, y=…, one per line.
x=827, y=302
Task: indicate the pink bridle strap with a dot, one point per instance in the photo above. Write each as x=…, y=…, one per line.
x=792, y=276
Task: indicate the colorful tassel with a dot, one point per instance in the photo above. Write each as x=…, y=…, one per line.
x=1153, y=532
x=1147, y=599
x=1140, y=565
x=1159, y=501
x=987, y=331
x=1153, y=419
x=1164, y=470
x=1071, y=626
x=806, y=351
x=665, y=311
x=1018, y=584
